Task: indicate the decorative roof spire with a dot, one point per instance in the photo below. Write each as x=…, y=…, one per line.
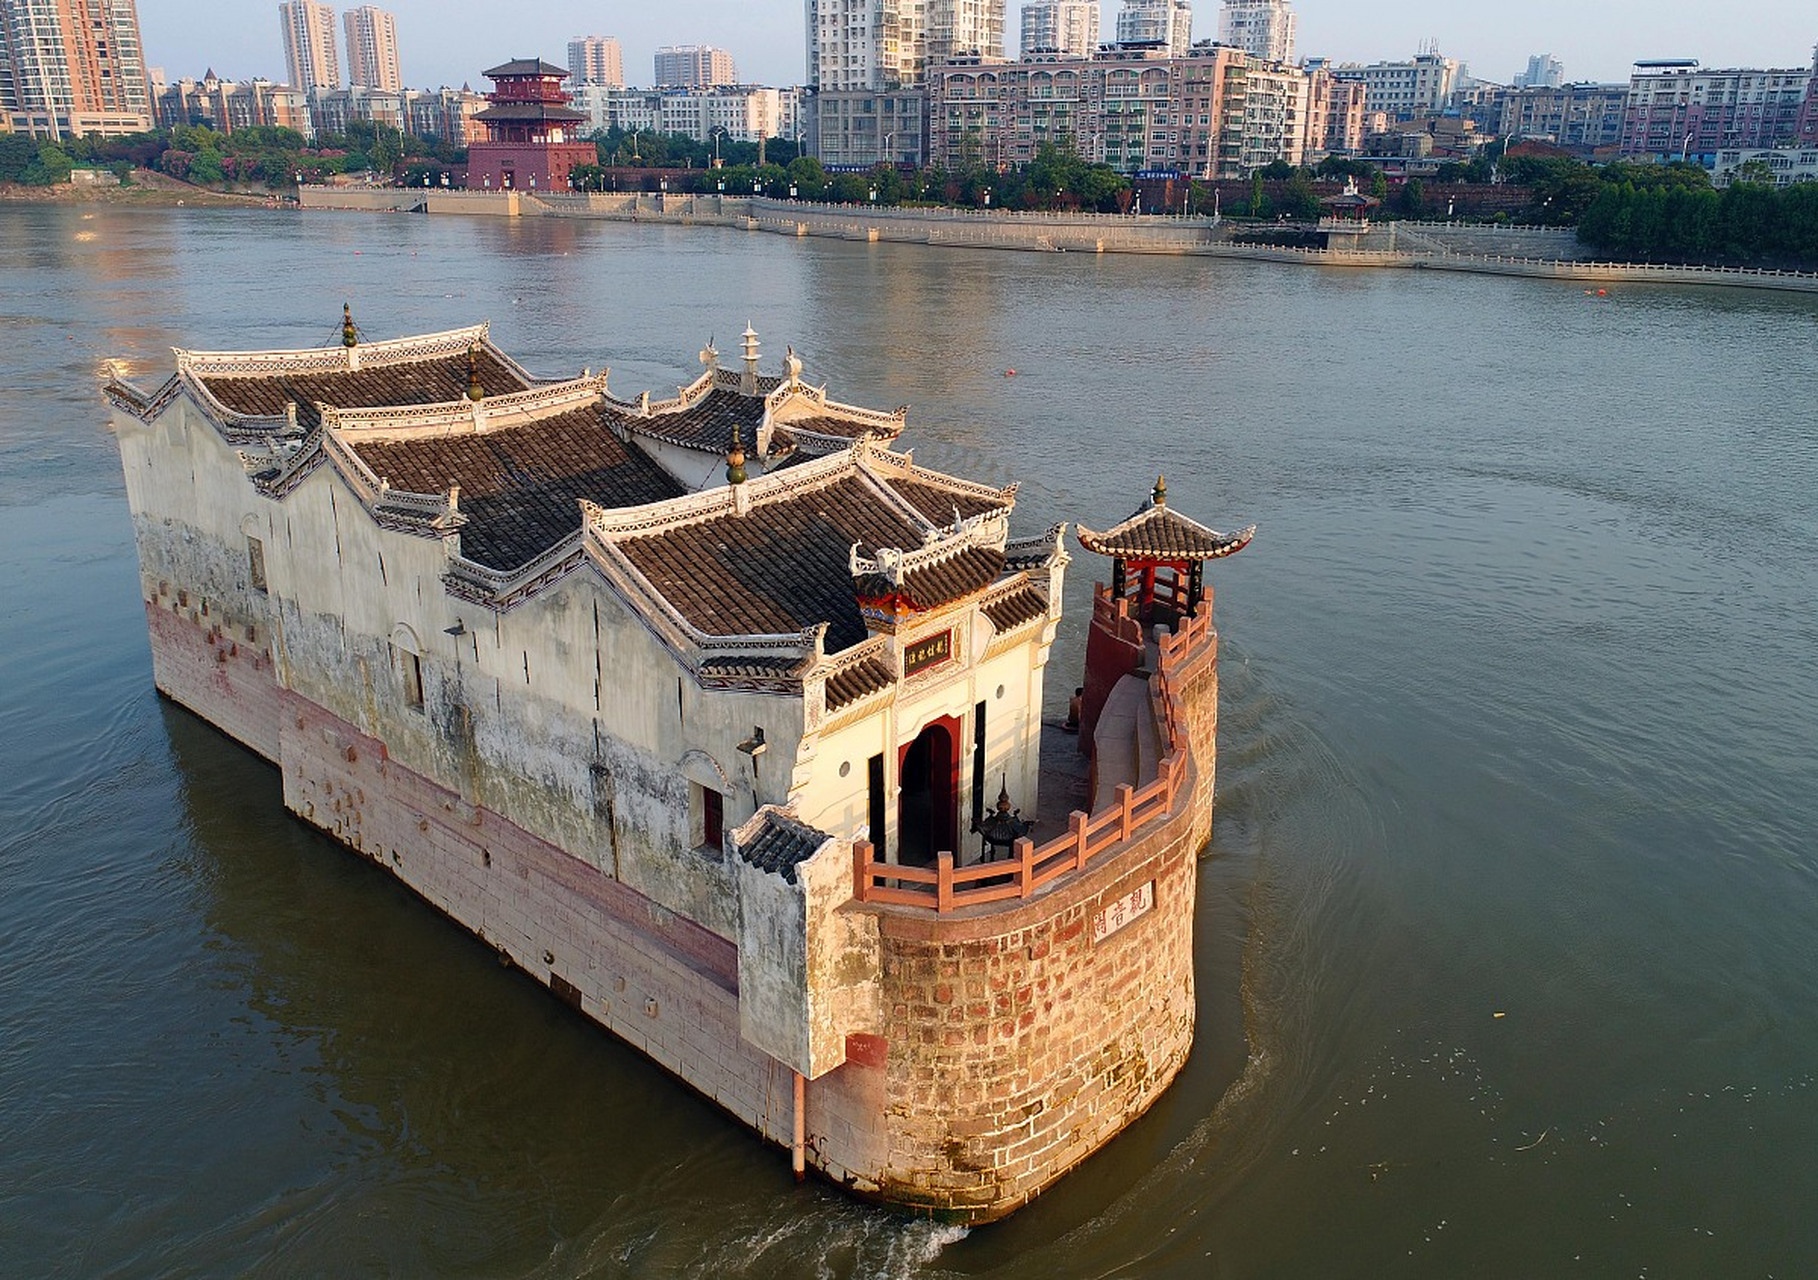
x=1160, y=496
x=792, y=367
x=475, y=391
x=748, y=382
x=350, y=337
x=735, y=460
x=710, y=357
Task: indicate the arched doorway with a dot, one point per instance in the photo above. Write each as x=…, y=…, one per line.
x=927, y=810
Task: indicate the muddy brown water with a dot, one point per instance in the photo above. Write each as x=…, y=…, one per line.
x=1508, y=923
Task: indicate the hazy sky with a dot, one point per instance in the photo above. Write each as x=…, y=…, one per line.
x=451, y=41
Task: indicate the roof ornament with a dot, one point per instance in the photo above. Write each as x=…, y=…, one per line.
x=475, y=391
x=350, y=336
x=735, y=460
x=710, y=358
x=792, y=368
x=748, y=383
x=1159, y=497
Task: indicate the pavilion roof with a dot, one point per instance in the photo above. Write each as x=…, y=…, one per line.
x=1157, y=532
x=508, y=112
x=525, y=67
x=424, y=370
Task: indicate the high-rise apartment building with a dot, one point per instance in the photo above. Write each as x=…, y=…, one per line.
x=1167, y=23
x=372, y=50
x=864, y=44
x=962, y=28
x=1421, y=86
x=1677, y=110
x=1217, y=112
x=1544, y=72
x=309, y=45
x=694, y=66
x=1067, y=27
x=596, y=60
x=72, y=67
x=868, y=61
x=888, y=44
x=1262, y=27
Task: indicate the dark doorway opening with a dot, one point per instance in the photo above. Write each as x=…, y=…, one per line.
x=928, y=795
x=875, y=812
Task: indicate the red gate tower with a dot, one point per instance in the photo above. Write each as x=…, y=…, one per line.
x=531, y=142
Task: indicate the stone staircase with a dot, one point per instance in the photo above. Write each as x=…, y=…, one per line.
x=1127, y=743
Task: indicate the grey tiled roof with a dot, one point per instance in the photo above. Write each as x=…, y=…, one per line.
x=707, y=424
x=438, y=380
x=858, y=681
x=781, y=844
x=782, y=567
x=954, y=578
x=1018, y=607
x=1158, y=531
x=525, y=67
x=521, y=486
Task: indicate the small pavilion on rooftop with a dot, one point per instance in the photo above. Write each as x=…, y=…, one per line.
x=1158, y=558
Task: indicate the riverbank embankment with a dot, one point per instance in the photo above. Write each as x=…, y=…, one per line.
x=1546, y=252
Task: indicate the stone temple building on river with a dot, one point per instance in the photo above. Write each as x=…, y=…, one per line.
x=706, y=712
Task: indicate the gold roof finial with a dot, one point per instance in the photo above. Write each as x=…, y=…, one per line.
x=1160, y=496
x=475, y=391
x=350, y=337
x=735, y=460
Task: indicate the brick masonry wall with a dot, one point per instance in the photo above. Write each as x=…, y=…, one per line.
x=218, y=667
x=1018, y=1043
x=1014, y=1044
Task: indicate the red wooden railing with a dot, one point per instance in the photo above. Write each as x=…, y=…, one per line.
x=1089, y=837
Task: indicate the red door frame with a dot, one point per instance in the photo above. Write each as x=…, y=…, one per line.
x=943, y=784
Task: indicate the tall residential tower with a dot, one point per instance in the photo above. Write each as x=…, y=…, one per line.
x=1159, y=22
x=1262, y=27
x=1068, y=27
x=596, y=60
x=958, y=28
x=372, y=50
x=309, y=45
x=694, y=66
x=72, y=67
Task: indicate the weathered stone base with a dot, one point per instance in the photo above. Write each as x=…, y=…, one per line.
x=1015, y=1043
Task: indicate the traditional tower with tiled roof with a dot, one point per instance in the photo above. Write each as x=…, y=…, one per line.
x=1158, y=557
x=532, y=141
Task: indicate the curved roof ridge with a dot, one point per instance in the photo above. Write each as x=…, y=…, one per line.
x=398, y=350
x=1157, y=530
x=494, y=413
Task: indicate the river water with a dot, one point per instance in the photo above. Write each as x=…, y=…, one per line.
x=1518, y=719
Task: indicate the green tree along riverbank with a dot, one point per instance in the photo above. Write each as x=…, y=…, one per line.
x=1057, y=178
x=257, y=156
x=1626, y=212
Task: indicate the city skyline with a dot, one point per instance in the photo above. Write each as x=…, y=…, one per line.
x=450, y=41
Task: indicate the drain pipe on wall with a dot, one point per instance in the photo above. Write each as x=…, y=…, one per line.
x=799, y=1149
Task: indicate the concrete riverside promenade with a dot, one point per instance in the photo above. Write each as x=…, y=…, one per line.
x=1546, y=252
